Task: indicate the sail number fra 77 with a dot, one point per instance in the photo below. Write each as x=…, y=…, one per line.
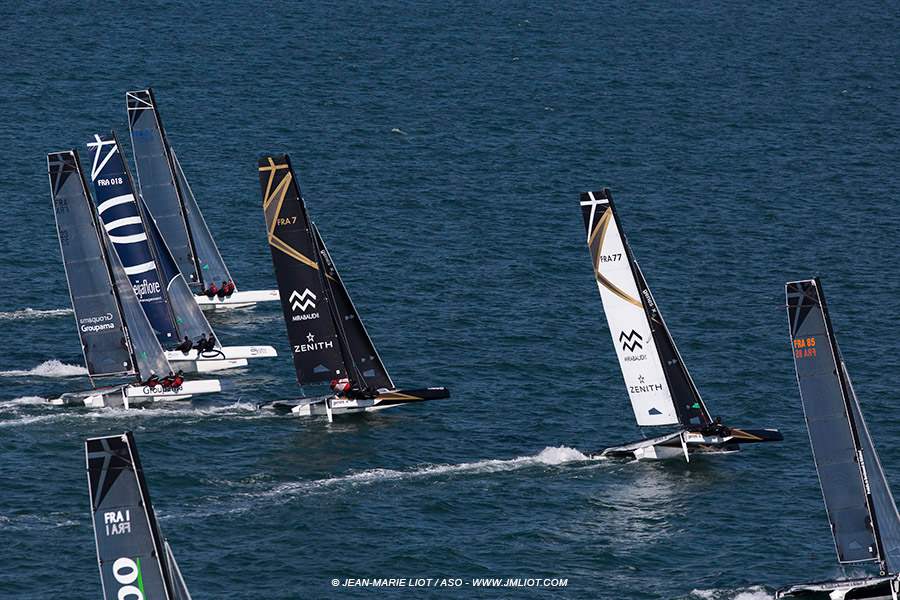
x=804, y=347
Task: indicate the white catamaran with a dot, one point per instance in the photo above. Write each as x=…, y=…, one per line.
x=861, y=510
x=328, y=339
x=172, y=204
x=160, y=286
x=661, y=389
x=116, y=337
x=136, y=562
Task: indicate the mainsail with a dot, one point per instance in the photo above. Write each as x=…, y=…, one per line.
x=327, y=337
x=135, y=560
x=157, y=180
x=116, y=336
x=118, y=208
x=659, y=386
x=97, y=312
x=861, y=510
x=138, y=241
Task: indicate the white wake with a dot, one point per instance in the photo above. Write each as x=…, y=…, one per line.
x=31, y=313
x=50, y=368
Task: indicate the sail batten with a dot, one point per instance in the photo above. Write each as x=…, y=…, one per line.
x=864, y=520
x=661, y=390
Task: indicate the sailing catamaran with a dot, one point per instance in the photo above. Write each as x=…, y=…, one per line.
x=116, y=337
x=328, y=339
x=661, y=389
x=156, y=279
x=171, y=202
x=135, y=559
x=863, y=516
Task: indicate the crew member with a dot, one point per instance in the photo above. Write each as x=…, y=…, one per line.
x=210, y=342
x=223, y=290
x=153, y=380
x=212, y=291
x=178, y=379
x=230, y=288
x=185, y=346
x=167, y=382
x=200, y=346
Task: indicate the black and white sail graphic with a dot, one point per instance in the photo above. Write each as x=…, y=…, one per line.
x=134, y=558
x=659, y=386
x=307, y=314
x=156, y=175
x=97, y=312
x=118, y=209
x=369, y=370
x=863, y=516
x=116, y=335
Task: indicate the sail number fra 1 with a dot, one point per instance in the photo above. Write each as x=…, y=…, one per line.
x=111, y=181
x=804, y=347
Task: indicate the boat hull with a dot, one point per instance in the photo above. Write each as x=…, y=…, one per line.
x=127, y=394
x=318, y=405
x=237, y=299
x=684, y=443
x=228, y=357
x=871, y=588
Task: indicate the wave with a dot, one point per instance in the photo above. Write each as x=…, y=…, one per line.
x=396, y=130
x=757, y=592
x=50, y=368
x=31, y=313
x=548, y=456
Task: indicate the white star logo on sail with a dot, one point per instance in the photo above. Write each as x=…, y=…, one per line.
x=311, y=338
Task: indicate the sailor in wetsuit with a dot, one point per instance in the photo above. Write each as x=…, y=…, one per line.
x=223, y=291
x=229, y=290
x=178, y=379
x=716, y=428
x=185, y=346
x=212, y=291
x=200, y=346
x=153, y=380
x=211, y=342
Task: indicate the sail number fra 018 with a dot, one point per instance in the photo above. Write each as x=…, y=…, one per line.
x=111, y=181
x=805, y=347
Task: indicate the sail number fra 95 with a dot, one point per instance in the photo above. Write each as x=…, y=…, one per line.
x=805, y=347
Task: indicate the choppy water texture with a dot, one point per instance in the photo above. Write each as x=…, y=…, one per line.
x=441, y=149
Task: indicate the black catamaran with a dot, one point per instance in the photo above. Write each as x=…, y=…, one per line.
x=328, y=339
x=170, y=200
x=135, y=559
x=158, y=282
x=116, y=336
x=861, y=510
x=661, y=389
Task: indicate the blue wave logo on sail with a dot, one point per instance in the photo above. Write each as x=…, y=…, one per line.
x=89, y=324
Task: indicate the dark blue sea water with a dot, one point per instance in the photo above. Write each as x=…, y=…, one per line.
x=441, y=149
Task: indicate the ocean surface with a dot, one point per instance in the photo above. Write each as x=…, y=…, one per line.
x=441, y=148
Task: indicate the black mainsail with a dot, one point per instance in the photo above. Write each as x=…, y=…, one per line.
x=661, y=389
x=328, y=339
x=156, y=175
x=135, y=560
x=861, y=510
x=116, y=337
